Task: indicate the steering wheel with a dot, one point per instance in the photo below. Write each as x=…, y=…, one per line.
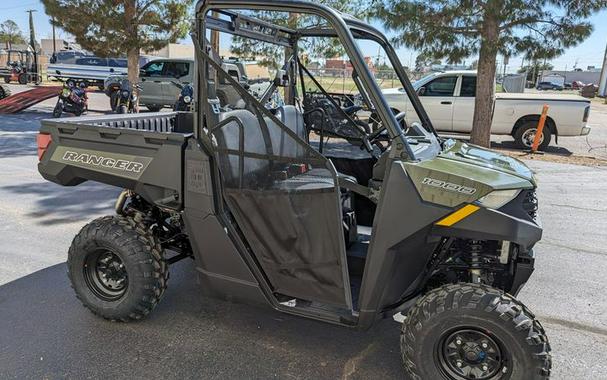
x=381, y=134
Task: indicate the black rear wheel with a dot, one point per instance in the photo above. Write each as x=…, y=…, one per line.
x=117, y=269
x=468, y=331
x=23, y=78
x=525, y=134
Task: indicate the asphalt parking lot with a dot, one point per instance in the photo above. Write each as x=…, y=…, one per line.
x=46, y=333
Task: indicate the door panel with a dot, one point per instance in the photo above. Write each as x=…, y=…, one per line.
x=284, y=198
x=464, y=104
x=437, y=98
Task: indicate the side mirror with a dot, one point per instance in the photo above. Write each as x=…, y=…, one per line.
x=421, y=91
x=142, y=73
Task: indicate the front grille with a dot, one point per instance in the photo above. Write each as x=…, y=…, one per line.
x=530, y=203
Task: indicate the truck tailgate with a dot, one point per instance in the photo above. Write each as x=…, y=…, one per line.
x=143, y=153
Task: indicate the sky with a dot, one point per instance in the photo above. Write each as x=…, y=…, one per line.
x=588, y=53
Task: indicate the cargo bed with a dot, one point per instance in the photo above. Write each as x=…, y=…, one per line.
x=142, y=152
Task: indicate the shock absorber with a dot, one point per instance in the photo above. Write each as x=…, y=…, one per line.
x=475, y=249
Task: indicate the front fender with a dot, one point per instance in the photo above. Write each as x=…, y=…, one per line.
x=488, y=224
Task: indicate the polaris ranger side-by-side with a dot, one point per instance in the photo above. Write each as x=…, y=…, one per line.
x=347, y=229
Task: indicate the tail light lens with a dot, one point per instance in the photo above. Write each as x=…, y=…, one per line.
x=43, y=140
x=586, y=114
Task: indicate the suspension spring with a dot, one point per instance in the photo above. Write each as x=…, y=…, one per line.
x=475, y=248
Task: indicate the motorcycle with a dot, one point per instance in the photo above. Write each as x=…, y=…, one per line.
x=72, y=99
x=184, y=102
x=123, y=97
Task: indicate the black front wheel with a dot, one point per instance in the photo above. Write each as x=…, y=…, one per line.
x=114, y=100
x=4, y=92
x=469, y=331
x=117, y=269
x=58, y=110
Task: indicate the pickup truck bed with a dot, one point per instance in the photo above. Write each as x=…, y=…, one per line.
x=144, y=153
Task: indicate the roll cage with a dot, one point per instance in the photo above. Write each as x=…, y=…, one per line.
x=341, y=26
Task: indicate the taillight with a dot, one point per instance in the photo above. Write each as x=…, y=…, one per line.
x=586, y=114
x=43, y=140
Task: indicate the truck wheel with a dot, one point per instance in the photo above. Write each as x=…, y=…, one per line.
x=470, y=331
x=117, y=269
x=525, y=133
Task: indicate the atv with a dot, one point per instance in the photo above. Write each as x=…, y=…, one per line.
x=304, y=208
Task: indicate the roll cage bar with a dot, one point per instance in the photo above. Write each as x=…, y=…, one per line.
x=344, y=27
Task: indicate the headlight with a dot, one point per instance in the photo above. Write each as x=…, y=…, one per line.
x=125, y=93
x=187, y=99
x=498, y=198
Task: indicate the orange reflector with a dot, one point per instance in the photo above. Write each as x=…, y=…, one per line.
x=458, y=215
x=43, y=140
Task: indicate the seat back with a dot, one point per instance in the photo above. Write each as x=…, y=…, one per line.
x=283, y=144
x=243, y=125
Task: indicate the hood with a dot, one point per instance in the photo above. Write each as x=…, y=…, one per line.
x=473, y=154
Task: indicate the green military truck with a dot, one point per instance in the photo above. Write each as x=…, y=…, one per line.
x=437, y=231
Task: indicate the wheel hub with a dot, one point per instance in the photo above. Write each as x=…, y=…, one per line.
x=529, y=136
x=106, y=275
x=111, y=271
x=470, y=354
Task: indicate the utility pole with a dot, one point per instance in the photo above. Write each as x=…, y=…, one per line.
x=33, y=41
x=54, y=38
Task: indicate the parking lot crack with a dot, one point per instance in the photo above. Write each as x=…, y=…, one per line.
x=574, y=325
x=577, y=249
x=351, y=365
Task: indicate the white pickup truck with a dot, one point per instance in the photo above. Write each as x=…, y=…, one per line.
x=448, y=98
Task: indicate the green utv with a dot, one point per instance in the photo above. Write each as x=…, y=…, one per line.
x=300, y=207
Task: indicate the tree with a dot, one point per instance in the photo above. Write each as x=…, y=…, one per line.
x=115, y=27
x=456, y=30
x=10, y=34
x=423, y=61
